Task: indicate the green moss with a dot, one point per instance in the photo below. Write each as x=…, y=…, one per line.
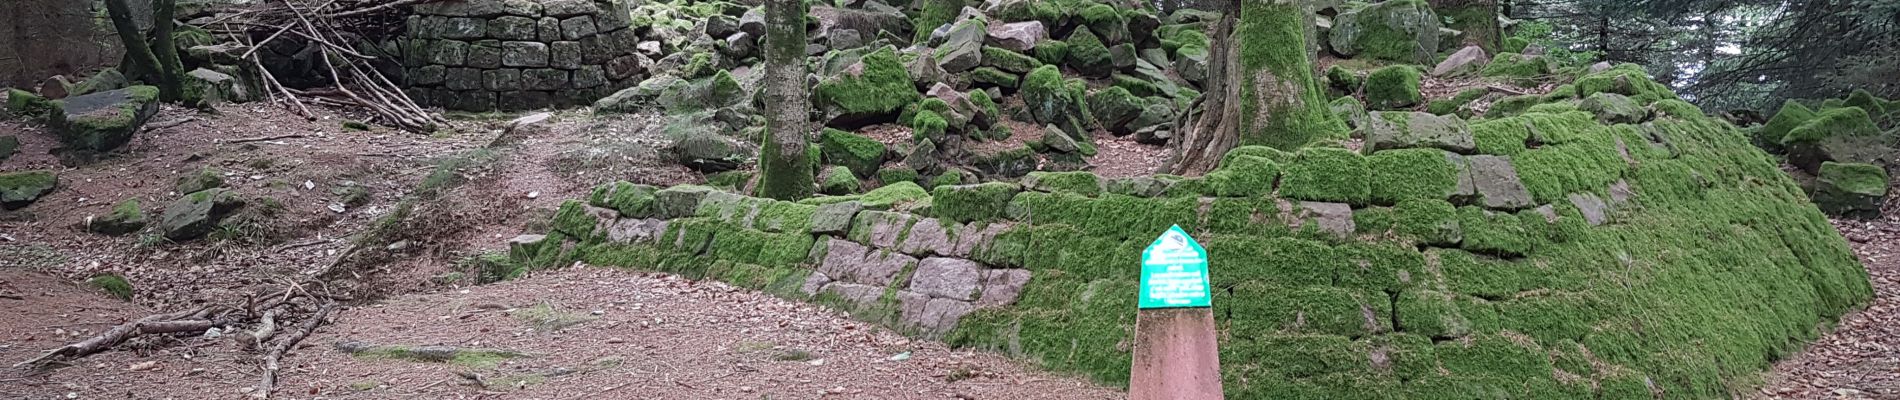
x=1136, y=86
x=935, y=13
x=1088, y=54
x=1309, y=310
x=1866, y=101
x=1628, y=80
x=896, y=174
x=1514, y=105
x=1010, y=61
x=573, y=219
x=1838, y=122
x=1523, y=69
x=896, y=196
x=1343, y=79
x=928, y=125
x=1244, y=176
x=631, y=200
x=1515, y=44
x=1455, y=104
x=1327, y=174
x=839, y=181
x=1077, y=182
x=1496, y=233
x=1279, y=70
x=26, y=105
x=1052, y=51
x=1430, y=221
x=1856, y=178
x=1395, y=87
x=861, y=154
x=995, y=77
x=1407, y=174
x=883, y=87
x=112, y=284
x=1553, y=171
x=970, y=203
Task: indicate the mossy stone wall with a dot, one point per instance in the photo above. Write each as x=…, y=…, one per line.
x=513, y=55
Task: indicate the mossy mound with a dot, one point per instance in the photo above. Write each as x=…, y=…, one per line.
x=1558, y=256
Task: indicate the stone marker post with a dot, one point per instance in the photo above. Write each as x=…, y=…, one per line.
x=1176, y=354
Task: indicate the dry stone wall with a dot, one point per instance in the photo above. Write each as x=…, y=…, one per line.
x=511, y=55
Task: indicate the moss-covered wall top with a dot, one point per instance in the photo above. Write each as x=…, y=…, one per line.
x=1544, y=255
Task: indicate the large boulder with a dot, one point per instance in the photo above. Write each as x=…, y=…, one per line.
x=101, y=122
x=1021, y=37
x=873, y=89
x=19, y=189
x=1399, y=30
x=197, y=214
x=1089, y=55
x=1846, y=135
x=1467, y=61
x=1851, y=190
x=1116, y=109
x=1052, y=100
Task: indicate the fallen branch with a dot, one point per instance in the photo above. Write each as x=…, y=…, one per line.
x=182, y=321
x=308, y=326
x=1513, y=91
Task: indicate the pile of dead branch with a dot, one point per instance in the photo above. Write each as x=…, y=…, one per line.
x=333, y=29
x=269, y=325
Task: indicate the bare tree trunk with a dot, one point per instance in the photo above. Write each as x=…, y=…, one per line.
x=154, y=62
x=170, y=69
x=143, y=64
x=1210, y=131
x=785, y=170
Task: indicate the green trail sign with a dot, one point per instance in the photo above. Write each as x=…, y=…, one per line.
x=1174, y=272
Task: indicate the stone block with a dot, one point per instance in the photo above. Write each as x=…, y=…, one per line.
x=549, y=29
x=930, y=237
x=485, y=54
x=513, y=28
x=564, y=55
x=591, y=49
x=448, y=52
x=940, y=315
x=464, y=8
x=465, y=28
x=950, y=278
x=626, y=66
x=636, y=230
x=463, y=79
x=428, y=75
x=1497, y=184
x=502, y=80
x=427, y=27
x=835, y=218
x=614, y=18
x=568, y=8
x=855, y=293
x=1001, y=287
x=524, y=54
x=814, y=282
x=522, y=8
x=852, y=262
x=544, y=79
x=589, y=76
x=577, y=27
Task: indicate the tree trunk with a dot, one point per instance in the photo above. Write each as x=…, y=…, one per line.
x=1261, y=88
x=170, y=69
x=141, y=63
x=1478, y=19
x=785, y=170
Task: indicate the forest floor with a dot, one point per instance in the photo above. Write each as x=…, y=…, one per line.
x=566, y=333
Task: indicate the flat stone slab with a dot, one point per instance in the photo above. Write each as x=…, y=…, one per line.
x=852, y=262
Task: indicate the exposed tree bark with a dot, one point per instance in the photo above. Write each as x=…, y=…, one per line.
x=141, y=62
x=155, y=62
x=785, y=170
x=1260, y=89
x=170, y=69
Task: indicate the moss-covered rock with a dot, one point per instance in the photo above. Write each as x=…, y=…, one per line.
x=1009, y=61
x=1866, y=101
x=861, y=154
x=838, y=180
x=127, y=217
x=1327, y=174
x=875, y=87
x=1008, y=163
x=1523, y=69
x=631, y=200
x=26, y=105
x=203, y=178
x=1614, y=108
x=1344, y=80
x=1844, y=134
x=1116, y=109
x=1395, y=87
x=112, y=284
x=1851, y=190
x=1075, y=182
x=1088, y=54
x=900, y=196
x=1051, y=100
x=896, y=174
x=197, y=214
x=1403, y=130
x=20, y=189
x=101, y=122
x=992, y=77
x=1628, y=80
x=1411, y=174
x=972, y=203
x=1242, y=175
x=1397, y=30
x=1456, y=104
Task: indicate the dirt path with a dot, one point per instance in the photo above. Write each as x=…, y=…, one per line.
x=1860, y=359
x=628, y=335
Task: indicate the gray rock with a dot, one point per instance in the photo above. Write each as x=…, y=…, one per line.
x=941, y=315
x=465, y=28
x=1020, y=37
x=1593, y=209
x=1193, y=66
x=636, y=230
x=721, y=25
x=1001, y=287
x=739, y=45
x=1387, y=130
x=678, y=201
x=930, y=237
x=835, y=218
x=196, y=215
x=845, y=39
x=549, y=29
x=569, y=8
x=501, y=80
x=962, y=48
x=1466, y=61
x=564, y=55
x=925, y=72
x=524, y=54
x=814, y=282
x=1349, y=37
x=1614, y=108
x=881, y=228
x=213, y=87
x=753, y=22
x=20, y=189
x=970, y=241
x=1333, y=218
x=485, y=54
x=949, y=278
x=513, y=28
x=125, y=218
x=848, y=261
x=1496, y=184
x=544, y=79
x=1058, y=140
x=1123, y=56
x=448, y=52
